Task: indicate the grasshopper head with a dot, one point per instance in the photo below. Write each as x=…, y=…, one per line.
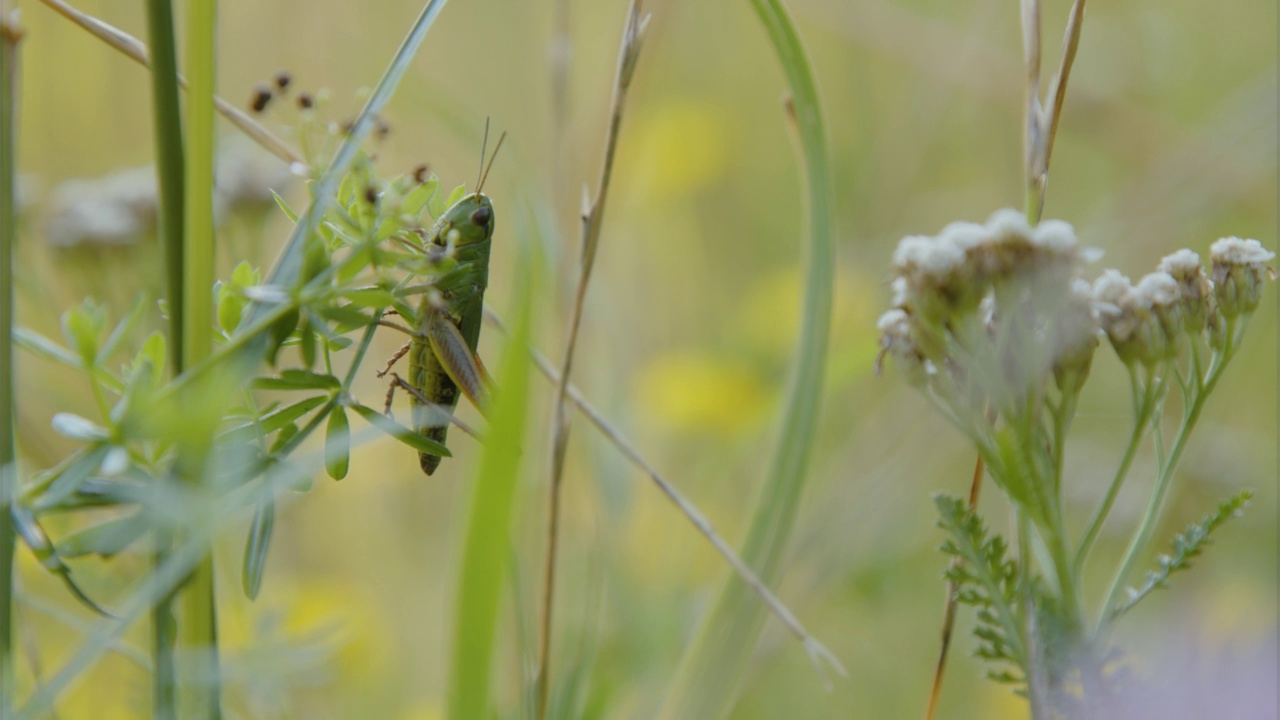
x=466, y=222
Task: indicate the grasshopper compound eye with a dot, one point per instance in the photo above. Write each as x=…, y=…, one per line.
x=482, y=216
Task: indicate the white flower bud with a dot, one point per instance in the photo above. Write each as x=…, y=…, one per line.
x=938, y=280
x=1238, y=274
x=897, y=340
x=1075, y=335
x=1194, y=287
x=1163, y=328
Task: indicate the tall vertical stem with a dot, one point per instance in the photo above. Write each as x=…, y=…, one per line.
x=10, y=36
x=592, y=221
x=198, y=634
x=167, y=132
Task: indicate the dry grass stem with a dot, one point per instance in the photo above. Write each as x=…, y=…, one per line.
x=819, y=653
x=592, y=220
x=1041, y=124
x=1058, y=88
x=949, y=611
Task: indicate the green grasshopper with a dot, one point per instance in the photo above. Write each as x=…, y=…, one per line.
x=442, y=348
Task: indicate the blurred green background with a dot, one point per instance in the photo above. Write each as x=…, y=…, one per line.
x=1168, y=140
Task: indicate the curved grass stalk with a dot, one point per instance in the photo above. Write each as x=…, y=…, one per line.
x=712, y=670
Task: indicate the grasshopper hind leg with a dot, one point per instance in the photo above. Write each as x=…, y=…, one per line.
x=436, y=432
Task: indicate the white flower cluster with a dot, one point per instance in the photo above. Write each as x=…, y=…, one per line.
x=952, y=272
x=1004, y=302
x=1146, y=322
x=1004, y=283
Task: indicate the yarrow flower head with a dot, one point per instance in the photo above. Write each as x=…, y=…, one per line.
x=1238, y=273
x=989, y=308
x=1144, y=322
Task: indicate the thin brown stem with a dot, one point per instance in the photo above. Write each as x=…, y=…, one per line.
x=137, y=50
x=1058, y=88
x=684, y=505
x=1031, y=111
x=592, y=221
x=949, y=611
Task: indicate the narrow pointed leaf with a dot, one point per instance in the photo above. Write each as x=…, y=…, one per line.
x=256, y=548
x=337, y=444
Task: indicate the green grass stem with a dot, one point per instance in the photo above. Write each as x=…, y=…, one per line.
x=9, y=39
x=486, y=550
x=199, y=684
x=714, y=668
x=167, y=132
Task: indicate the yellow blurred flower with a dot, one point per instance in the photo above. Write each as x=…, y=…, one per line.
x=769, y=319
x=363, y=642
x=423, y=711
x=1235, y=606
x=1001, y=703
x=690, y=390
x=680, y=146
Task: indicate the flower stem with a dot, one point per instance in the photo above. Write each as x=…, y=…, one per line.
x=1142, y=417
x=1147, y=526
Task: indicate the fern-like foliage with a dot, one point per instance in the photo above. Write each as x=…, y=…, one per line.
x=986, y=579
x=1186, y=545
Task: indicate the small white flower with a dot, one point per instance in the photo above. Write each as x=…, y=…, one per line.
x=1183, y=262
x=966, y=235
x=897, y=340
x=1194, y=287
x=1238, y=274
x=933, y=257
x=1157, y=289
x=1235, y=251
x=1056, y=236
x=901, y=293
x=1008, y=222
x=894, y=324
x=1112, y=288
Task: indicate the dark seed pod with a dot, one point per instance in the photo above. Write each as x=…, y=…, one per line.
x=282, y=80
x=420, y=173
x=305, y=102
x=261, y=97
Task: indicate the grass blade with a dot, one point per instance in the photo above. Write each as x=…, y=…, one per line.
x=170, y=182
x=486, y=549
x=10, y=36
x=199, y=693
x=592, y=221
x=714, y=667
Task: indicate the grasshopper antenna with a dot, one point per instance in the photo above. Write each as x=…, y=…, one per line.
x=484, y=144
x=496, y=148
